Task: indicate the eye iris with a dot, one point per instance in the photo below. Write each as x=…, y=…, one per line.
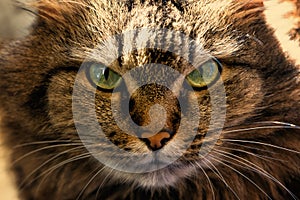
x=205, y=75
x=104, y=77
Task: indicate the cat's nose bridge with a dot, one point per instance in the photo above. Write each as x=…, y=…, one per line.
x=141, y=102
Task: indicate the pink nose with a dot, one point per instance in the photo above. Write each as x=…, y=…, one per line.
x=156, y=141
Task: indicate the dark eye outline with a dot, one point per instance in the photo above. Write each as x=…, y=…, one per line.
x=220, y=68
x=106, y=73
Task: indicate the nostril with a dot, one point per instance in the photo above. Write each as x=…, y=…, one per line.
x=131, y=104
x=137, y=119
x=164, y=141
x=135, y=116
x=157, y=141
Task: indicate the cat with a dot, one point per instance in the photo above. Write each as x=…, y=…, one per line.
x=207, y=108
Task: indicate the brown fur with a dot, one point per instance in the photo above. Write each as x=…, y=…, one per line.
x=261, y=83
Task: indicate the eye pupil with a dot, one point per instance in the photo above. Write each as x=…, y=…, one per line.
x=106, y=73
x=205, y=75
x=103, y=77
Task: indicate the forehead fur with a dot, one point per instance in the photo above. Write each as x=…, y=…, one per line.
x=91, y=22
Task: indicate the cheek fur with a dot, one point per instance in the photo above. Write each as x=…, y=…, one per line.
x=244, y=93
x=59, y=101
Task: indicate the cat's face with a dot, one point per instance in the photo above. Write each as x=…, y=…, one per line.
x=67, y=74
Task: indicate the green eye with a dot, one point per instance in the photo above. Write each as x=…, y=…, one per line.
x=205, y=75
x=103, y=77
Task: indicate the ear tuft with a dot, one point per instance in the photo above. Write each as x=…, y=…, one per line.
x=254, y=4
x=251, y=4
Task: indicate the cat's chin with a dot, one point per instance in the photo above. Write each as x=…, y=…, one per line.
x=168, y=176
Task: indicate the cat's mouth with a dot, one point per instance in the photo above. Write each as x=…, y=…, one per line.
x=168, y=175
x=157, y=160
x=164, y=167
x=168, y=157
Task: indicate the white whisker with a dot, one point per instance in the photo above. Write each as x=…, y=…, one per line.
x=279, y=123
x=250, y=147
x=260, y=127
x=100, y=186
x=253, y=167
x=266, y=158
x=243, y=175
x=41, y=149
x=48, y=161
x=208, y=179
x=261, y=143
x=46, y=142
x=89, y=182
x=219, y=175
x=53, y=168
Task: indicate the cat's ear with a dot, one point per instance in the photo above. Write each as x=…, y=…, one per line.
x=16, y=19
x=250, y=5
x=249, y=10
x=53, y=11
